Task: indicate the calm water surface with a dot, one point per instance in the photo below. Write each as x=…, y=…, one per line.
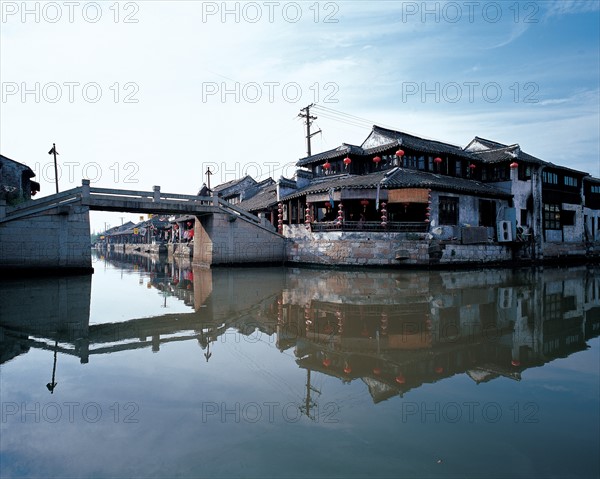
x=148, y=369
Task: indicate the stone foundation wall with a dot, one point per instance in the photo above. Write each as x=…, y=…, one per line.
x=59, y=238
x=385, y=249
x=552, y=250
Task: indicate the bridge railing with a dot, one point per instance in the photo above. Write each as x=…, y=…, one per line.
x=155, y=196
x=43, y=204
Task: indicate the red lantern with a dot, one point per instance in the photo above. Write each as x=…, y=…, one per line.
x=347, y=369
x=515, y=362
x=364, y=202
x=437, y=160
x=327, y=204
x=376, y=371
x=326, y=362
x=439, y=370
x=400, y=379
x=347, y=161
x=327, y=165
x=400, y=153
x=514, y=165
x=376, y=160
x=472, y=166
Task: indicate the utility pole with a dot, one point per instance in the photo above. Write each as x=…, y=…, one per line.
x=54, y=152
x=208, y=175
x=309, y=119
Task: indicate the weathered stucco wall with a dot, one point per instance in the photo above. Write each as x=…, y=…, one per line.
x=53, y=239
x=224, y=239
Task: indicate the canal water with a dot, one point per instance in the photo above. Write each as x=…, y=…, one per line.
x=150, y=369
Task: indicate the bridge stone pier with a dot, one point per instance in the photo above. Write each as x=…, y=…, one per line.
x=223, y=238
x=53, y=239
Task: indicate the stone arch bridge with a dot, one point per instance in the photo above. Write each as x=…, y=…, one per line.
x=54, y=232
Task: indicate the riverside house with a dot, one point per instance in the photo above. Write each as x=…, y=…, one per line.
x=16, y=184
x=400, y=199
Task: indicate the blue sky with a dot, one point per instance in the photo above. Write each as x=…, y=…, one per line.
x=142, y=93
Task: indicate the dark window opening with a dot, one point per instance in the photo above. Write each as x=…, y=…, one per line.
x=487, y=212
x=523, y=221
x=567, y=218
x=524, y=172
x=551, y=217
x=448, y=210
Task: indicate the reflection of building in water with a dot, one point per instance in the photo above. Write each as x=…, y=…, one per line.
x=485, y=324
x=393, y=330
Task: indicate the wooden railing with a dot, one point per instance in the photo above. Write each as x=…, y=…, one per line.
x=394, y=226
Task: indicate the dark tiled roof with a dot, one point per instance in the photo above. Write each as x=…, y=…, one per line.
x=30, y=172
x=264, y=199
x=405, y=178
x=506, y=153
x=421, y=144
x=395, y=139
x=485, y=142
x=340, y=151
x=229, y=184
x=337, y=182
x=400, y=178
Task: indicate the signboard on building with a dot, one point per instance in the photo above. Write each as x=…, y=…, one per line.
x=408, y=195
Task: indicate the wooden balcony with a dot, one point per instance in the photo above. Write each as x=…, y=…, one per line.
x=392, y=226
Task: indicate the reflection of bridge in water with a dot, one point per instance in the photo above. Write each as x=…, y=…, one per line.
x=392, y=330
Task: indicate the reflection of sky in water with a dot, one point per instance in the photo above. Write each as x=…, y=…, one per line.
x=352, y=437
x=119, y=295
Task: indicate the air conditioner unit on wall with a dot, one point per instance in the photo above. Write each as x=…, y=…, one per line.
x=504, y=231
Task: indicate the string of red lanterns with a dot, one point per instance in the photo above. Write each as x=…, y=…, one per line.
x=307, y=216
x=340, y=217
x=428, y=209
x=384, y=216
x=280, y=216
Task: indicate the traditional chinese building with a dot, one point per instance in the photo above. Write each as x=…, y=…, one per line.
x=401, y=199
x=16, y=184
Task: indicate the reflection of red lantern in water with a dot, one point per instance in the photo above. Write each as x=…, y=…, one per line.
x=400, y=379
x=326, y=362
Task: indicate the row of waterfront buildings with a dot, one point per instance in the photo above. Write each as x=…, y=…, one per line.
x=400, y=199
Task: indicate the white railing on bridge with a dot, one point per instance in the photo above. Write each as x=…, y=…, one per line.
x=87, y=195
